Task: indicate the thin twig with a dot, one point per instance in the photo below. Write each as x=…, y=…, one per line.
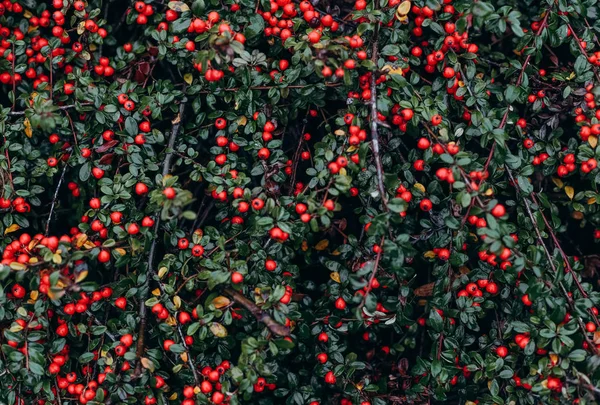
x=62, y=107
x=150, y=268
x=373, y=273
x=374, y=130
x=60, y=180
x=258, y=313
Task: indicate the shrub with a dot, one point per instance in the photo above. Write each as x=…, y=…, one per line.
x=244, y=202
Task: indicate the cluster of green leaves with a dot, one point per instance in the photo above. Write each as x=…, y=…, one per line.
x=404, y=330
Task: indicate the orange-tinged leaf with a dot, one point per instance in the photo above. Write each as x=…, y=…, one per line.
x=12, y=228
x=81, y=276
x=33, y=295
x=419, y=187
x=171, y=321
x=335, y=276
x=591, y=200
x=430, y=254
x=221, y=302
x=322, y=245
x=121, y=251
x=559, y=183
x=570, y=192
x=173, y=396
x=218, y=330
x=593, y=141
x=80, y=240
x=28, y=129
x=147, y=364
x=156, y=292
x=184, y=357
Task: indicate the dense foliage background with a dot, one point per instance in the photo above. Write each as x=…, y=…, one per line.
x=283, y=202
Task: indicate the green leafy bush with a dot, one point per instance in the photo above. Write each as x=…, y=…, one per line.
x=294, y=202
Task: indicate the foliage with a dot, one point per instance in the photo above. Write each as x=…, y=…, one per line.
x=244, y=202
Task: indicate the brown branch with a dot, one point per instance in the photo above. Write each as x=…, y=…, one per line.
x=374, y=133
x=62, y=107
x=258, y=313
x=146, y=287
x=373, y=273
x=60, y=180
x=540, y=239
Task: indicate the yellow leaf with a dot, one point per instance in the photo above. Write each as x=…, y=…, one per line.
x=81, y=276
x=81, y=27
x=27, y=14
x=221, y=302
x=391, y=70
x=173, y=397
x=335, y=276
x=351, y=149
x=184, y=357
x=197, y=390
x=33, y=295
x=171, y=321
x=242, y=120
x=121, y=251
x=17, y=266
x=218, y=330
x=178, y=6
x=156, y=292
x=188, y=78
x=593, y=141
x=177, y=302
x=89, y=245
x=570, y=192
x=558, y=182
x=162, y=271
x=12, y=228
x=80, y=240
x=16, y=328
x=176, y=120
x=28, y=130
x=402, y=18
x=419, y=187
x=56, y=258
x=55, y=293
x=339, y=132
x=322, y=245
x=403, y=8
x=343, y=171
x=147, y=364
x=430, y=254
